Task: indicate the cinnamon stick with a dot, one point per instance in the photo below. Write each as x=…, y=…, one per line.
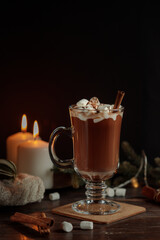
x=119, y=99
x=43, y=230
x=43, y=215
x=39, y=221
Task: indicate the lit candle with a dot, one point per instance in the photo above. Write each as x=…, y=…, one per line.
x=14, y=140
x=33, y=158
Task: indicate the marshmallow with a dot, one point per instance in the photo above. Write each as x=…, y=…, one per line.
x=66, y=226
x=86, y=225
x=110, y=192
x=95, y=110
x=54, y=196
x=94, y=101
x=103, y=107
x=82, y=103
x=120, y=192
x=89, y=107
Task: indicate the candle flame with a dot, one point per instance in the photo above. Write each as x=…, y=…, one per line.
x=24, y=123
x=35, y=130
x=134, y=182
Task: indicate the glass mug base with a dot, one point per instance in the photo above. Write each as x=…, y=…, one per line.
x=91, y=207
x=96, y=202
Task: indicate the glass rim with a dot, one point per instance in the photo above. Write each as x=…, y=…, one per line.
x=81, y=109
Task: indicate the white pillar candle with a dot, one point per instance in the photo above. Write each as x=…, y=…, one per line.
x=14, y=140
x=33, y=158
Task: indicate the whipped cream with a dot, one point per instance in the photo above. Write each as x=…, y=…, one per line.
x=93, y=109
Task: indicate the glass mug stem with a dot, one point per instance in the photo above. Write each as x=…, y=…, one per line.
x=96, y=190
x=96, y=202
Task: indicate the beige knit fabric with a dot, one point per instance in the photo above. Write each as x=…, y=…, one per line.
x=24, y=189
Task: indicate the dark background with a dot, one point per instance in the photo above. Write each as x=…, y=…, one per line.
x=54, y=54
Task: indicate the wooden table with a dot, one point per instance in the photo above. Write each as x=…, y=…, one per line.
x=142, y=226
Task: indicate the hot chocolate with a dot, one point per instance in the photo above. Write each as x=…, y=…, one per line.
x=96, y=134
x=95, y=130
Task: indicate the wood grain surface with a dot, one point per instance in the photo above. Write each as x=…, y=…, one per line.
x=142, y=226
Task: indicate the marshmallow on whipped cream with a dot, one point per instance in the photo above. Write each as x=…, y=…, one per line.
x=82, y=103
x=93, y=109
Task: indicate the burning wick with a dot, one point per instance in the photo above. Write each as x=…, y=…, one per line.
x=24, y=123
x=35, y=130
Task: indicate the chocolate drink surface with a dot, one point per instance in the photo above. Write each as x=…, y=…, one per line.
x=96, y=138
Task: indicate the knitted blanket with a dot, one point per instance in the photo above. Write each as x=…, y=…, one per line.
x=24, y=189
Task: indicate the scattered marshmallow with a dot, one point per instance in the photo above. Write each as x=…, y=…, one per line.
x=66, y=226
x=82, y=103
x=54, y=196
x=110, y=192
x=120, y=192
x=86, y=225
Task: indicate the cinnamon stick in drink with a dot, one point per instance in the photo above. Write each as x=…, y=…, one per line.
x=119, y=99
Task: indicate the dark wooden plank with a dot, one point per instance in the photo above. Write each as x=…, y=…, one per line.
x=143, y=226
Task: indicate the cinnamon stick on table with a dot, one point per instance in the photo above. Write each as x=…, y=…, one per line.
x=39, y=221
x=119, y=99
x=41, y=229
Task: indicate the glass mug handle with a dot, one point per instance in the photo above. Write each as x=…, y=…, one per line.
x=67, y=163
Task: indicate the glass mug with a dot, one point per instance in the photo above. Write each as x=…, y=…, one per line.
x=95, y=155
